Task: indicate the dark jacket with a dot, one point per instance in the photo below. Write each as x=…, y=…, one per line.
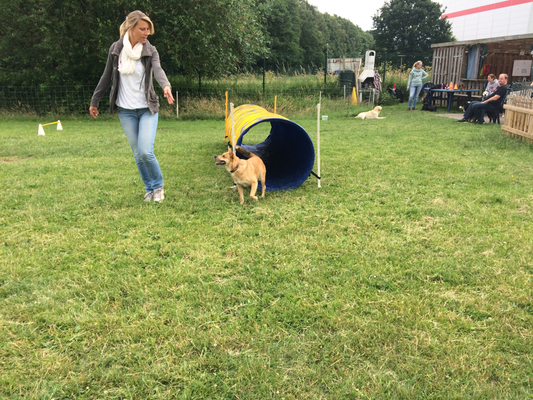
x=502, y=92
x=152, y=66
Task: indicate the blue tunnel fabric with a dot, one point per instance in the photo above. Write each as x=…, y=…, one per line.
x=288, y=153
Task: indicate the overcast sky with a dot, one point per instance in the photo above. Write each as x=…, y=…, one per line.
x=360, y=12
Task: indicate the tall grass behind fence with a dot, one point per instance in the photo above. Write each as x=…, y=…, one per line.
x=68, y=99
x=204, y=98
x=75, y=99
x=204, y=102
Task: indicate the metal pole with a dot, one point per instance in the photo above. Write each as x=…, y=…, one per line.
x=401, y=67
x=384, y=67
x=199, y=82
x=318, y=137
x=326, y=69
x=232, y=127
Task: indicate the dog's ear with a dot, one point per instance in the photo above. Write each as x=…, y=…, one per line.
x=231, y=153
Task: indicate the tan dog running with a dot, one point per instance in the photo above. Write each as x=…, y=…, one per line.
x=244, y=172
x=373, y=114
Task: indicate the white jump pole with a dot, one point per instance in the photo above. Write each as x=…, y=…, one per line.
x=232, y=127
x=41, y=130
x=177, y=105
x=318, y=138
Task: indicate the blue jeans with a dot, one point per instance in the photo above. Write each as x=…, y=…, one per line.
x=475, y=110
x=140, y=127
x=414, y=91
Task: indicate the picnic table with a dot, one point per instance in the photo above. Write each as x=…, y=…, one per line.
x=450, y=93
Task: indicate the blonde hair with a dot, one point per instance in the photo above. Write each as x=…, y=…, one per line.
x=133, y=19
x=416, y=63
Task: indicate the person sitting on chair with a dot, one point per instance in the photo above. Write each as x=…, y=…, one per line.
x=492, y=85
x=492, y=103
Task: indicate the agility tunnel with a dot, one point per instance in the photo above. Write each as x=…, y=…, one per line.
x=287, y=152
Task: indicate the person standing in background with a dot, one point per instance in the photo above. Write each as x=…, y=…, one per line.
x=132, y=62
x=414, y=84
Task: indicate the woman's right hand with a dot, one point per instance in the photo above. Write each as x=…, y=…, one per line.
x=93, y=111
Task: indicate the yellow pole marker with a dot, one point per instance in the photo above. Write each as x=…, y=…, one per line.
x=226, y=105
x=275, y=103
x=354, y=97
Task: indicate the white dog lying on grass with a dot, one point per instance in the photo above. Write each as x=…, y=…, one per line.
x=373, y=114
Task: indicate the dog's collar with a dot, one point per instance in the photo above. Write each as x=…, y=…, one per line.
x=234, y=169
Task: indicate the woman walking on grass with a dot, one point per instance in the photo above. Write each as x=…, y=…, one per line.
x=131, y=63
x=416, y=76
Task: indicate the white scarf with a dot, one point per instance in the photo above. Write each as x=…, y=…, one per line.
x=128, y=56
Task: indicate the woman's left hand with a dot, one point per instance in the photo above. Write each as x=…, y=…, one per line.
x=167, y=92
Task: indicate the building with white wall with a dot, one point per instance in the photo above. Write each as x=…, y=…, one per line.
x=483, y=19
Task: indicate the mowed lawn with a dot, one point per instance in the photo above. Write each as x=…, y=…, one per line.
x=408, y=275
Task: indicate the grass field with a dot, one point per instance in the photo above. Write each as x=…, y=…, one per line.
x=408, y=275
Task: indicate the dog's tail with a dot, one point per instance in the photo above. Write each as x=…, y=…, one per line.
x=244, y=152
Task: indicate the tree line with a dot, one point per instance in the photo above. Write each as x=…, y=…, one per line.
x=57, y=42
x=64, y=42
x=408, y=28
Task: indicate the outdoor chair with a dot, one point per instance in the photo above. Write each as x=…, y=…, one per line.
x=494, y=113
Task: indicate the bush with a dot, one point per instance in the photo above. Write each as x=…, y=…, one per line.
x=385, y=99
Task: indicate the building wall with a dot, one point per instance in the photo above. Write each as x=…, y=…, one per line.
x=483, y=19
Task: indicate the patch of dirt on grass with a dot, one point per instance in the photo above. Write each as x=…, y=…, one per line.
x=524, y=209
x=11, y=159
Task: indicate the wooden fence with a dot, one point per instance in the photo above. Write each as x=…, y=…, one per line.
x=518, y=120
x=448, y=64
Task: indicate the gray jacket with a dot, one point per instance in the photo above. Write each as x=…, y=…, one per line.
x=152, y=67
x=416, y=76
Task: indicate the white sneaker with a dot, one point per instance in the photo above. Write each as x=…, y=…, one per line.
x=148, y=196
x=159, y=194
